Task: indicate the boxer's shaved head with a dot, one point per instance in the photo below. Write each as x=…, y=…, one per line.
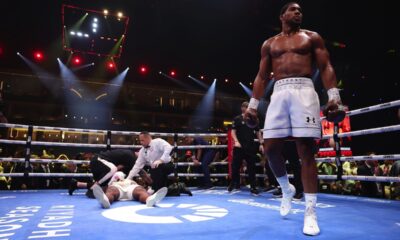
x=286, y=6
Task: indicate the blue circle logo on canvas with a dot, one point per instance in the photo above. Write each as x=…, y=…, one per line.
x=165, y=213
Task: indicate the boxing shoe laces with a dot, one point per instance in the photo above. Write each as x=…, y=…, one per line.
x=310, y=222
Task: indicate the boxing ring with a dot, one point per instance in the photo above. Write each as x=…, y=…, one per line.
x=208, y=214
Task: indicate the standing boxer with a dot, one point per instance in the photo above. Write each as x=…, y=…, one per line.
x=294, y=108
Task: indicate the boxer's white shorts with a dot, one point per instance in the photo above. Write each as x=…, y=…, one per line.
x=294, y=110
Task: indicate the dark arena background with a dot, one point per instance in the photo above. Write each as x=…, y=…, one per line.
x=80, y=77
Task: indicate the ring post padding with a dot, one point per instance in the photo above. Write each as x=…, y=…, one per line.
x=338, y=151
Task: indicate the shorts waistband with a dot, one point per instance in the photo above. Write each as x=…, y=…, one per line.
x=294, y=82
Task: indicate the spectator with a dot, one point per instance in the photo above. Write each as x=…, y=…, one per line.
x=385, y=169
x=369, y=168
x=327, y=168
x=395, y=186
x=203, y=157
x=3, y=180
x=350, y=186
x=3, y=118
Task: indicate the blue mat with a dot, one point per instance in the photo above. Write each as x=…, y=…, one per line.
x=211, y=214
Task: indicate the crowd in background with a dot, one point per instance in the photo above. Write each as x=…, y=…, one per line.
x=347, y=187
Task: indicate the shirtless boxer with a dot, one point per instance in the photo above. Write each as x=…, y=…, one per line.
x=120, y=189
x=294, y=108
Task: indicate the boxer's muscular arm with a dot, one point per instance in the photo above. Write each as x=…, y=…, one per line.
x=264, y=71
x=323, y=63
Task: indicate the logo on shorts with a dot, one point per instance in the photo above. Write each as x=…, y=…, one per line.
x=165, y=213
x=309, y=120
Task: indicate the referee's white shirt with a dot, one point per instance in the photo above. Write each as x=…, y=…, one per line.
x=158, y=149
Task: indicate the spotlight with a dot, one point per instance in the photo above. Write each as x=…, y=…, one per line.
x=72, y=33
x=79, y=34
x=159, y=72
x=77, y=60
x=189, y=76
x=172, y=73
x=94, y=25
x=86, y=35
x=38, y=56
x=120, y=15
x=105, y=12
x=226, y=80
x=110, y=65
x=92, y=64
x=95, y=19
x=201, y=77
x=94, y=30
x=143, y=69
x=18, y=53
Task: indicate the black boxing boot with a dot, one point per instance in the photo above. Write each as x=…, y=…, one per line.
x=184, y=189
x=73, y=185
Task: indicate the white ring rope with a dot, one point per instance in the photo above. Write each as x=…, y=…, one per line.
x=392, y=128
x=326, y=159
x=321, y=177
x=361, y=158
x=211, y=164
x=372, y=108
x=10, y=125
x=118, y=146
x=172, y=134
x=201, y=147
x=361, y=178
x=47, y=174
x=332, y=149
x=44, y=160
x=340, y=135
x=95, y=145
x=202, y=134
x=63, y=144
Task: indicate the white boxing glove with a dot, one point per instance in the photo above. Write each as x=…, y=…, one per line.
x=118, y=176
